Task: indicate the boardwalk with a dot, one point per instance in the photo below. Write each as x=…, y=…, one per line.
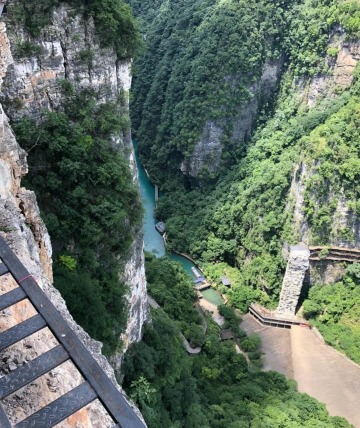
x=334, y=254
x=318, y=369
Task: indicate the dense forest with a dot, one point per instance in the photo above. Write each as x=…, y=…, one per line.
x=201, y=64
x=216, y=388
x=335, y=311
x=232, y=75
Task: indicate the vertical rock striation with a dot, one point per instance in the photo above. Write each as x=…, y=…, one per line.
x=25, y=232
x=69, y=49
x=207, y=153
x=297, y=266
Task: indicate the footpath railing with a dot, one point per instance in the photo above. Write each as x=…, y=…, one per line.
x=318, y=253
x=96, y=384
x=272, y=319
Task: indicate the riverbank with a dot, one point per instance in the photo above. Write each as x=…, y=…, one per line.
x=213, y=310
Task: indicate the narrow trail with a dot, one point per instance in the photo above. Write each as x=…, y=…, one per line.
x=319, y=370
x=217, y=318
x=186, y=344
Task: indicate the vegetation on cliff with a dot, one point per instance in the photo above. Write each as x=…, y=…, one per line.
x=244, y=217
x=173, y=290
x=114, y=23
x=202, y=59
x=89, y=203
x=335, y=311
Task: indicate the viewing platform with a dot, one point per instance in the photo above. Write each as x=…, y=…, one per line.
x=273, y=319
x=202, y=286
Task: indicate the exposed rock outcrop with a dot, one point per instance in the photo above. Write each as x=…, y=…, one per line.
x=345, y=225
x=30, y=85
x=342, y=67
x=298, y=264
x=70, y=50
x=207, y=153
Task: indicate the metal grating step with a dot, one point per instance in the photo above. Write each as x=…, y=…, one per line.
x=4, y=421
x=61, y=408
x=20, y=331
x=12, y=297
x=97, y=384
x=32, y=370
x=3, y=269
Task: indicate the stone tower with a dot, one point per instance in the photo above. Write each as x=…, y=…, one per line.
x=297, y=266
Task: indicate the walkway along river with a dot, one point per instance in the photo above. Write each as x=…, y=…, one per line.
x=153, y=241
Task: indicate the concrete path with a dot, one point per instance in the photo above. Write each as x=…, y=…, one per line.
x=210, y=307
x=319, y=370
x=152, y=302
x=275, y=346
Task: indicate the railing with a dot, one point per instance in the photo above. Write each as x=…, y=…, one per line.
x=272, y=319
x=334, y=253
x=96, y=385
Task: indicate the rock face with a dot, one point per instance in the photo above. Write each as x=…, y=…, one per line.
x=320, y=86
x=70, y=50
x=342, y=67
x=298, y=264
x=207, y=153
x=30, y=85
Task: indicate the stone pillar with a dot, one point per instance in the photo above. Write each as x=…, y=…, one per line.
x=297, y=266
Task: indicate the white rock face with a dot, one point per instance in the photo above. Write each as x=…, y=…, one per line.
x=298, y=264
x=342, y=67
x=321, y=86
x=207, y=152
x=24, y=231
x=33, y=84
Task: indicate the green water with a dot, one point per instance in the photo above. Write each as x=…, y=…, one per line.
x=153, y=241
x=212, y=296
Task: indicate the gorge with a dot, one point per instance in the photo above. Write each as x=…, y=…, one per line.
x=153, y=241
x=246, y=114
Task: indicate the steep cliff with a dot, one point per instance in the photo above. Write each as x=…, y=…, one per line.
x=330, y=216
x=339, y=78
x=296, y=177
x=210, y=68
x=68, y=49
x=25, y=232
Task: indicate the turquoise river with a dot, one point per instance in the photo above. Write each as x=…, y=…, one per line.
x=153, y=241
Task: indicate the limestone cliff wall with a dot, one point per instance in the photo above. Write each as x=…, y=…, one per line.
x=340, y=76
x=33, y=83
x=208, y=150
x=25, y=232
